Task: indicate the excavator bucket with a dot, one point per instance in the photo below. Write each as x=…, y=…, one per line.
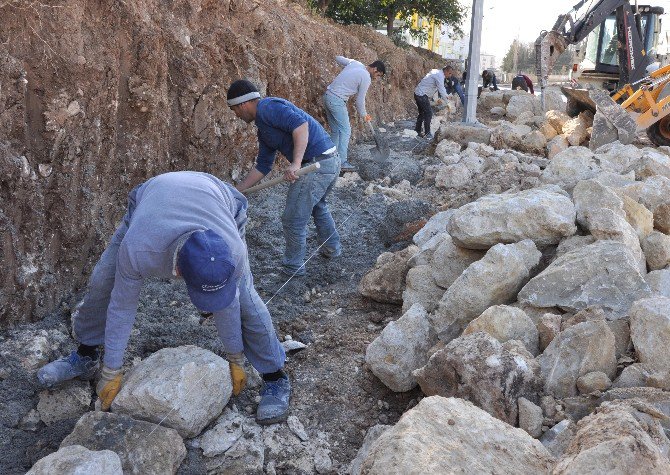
x=611, y=121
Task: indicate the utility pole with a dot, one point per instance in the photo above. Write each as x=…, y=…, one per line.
x=471, y=86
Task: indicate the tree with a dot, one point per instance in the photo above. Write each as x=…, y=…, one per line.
x=386, y=12
x=525, y=58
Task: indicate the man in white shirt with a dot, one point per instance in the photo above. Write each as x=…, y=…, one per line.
x=431, y=83
x=354, y=79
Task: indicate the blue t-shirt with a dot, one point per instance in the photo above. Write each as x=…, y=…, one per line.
x=276, y=120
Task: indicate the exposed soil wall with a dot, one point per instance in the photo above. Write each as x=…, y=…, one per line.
x=96, y=96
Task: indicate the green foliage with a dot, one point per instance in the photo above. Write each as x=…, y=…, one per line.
x=526, y=59
x=383, y=13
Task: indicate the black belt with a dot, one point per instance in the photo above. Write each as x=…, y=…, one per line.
x=318, y=158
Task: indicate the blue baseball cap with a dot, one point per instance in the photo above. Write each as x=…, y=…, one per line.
x=206, y=264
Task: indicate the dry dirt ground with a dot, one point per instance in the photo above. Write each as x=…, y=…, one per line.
x=333, y=391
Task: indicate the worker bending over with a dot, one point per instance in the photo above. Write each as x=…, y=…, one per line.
x=523, y=83
x=430, y=84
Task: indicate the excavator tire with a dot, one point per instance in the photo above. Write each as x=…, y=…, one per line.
x=659, y=133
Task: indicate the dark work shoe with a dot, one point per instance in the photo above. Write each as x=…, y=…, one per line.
x=347, y=167
x=275, y=397
x=329, y=252
x=67, y=368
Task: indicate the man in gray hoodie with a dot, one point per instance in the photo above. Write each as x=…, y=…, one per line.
x=354, y=79
x=189, y=225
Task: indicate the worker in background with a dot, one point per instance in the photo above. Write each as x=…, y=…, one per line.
x=189, y=225
x=432, y=83
x=452, y=84
x=300, y=138
x=489, y=80
x=523, y=83
x=354, y=79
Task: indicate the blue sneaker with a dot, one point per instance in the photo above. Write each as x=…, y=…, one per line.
x=275, y=397
x=67, y=368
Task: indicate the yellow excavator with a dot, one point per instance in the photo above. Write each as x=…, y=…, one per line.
x=619, y=76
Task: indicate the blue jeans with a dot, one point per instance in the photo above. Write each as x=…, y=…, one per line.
x=261, y=346
x=338, y=120
x=307, y=197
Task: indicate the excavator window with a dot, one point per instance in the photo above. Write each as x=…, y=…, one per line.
x=608, y=50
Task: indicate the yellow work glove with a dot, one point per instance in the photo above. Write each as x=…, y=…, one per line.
x=368, y=118
x=108, y=386
x=237, y=373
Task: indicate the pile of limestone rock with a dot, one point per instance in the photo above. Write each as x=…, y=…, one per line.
x=536, y=321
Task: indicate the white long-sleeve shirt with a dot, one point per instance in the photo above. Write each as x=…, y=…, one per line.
x=431, y=83
x=354, y=79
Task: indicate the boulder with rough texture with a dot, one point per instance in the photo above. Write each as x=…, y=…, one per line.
x=427, y=250
x=662, y=217
x=371, y=435
x=70, y=400
x=494, y=279
x=609, y=225
x=603, y=132
x=591, y=197
x=534, y=142
x=508, y=135
x=506, y=323
x=594, y=381
x=463, y=133
x=520, y=103
x=650, y=331
x=659, y=282
x=401, y=348
x=143, y=447
x=573, y=165
x=575, y=130
x=421, y=289
x=78, y=460
x=488, y=373
x=652, y=163
x=545, y=215
x=437, y=224
x=574, y=352
x=622, y=157
x=491, y=99
x=530, y=417
x=449, y=261
x=557, y=439
x=185, y=388
x=573, y=242
x=547, y=328
x=618, y=438
x=548, y=130
x=448, y=434
x=656, y=248
x=499, y=111
x=604, y=273
x=638, y=216
x=653, y=193
x=557, y=119
x=453, y=176
x=446, y=148
x=386, y=281
x=556, y=145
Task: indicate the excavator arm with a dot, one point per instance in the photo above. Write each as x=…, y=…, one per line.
x=569, y=30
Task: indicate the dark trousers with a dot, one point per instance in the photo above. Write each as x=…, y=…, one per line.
x=519, y=82
x=425, y=113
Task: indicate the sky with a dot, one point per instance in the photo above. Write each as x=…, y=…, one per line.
x=504, y=20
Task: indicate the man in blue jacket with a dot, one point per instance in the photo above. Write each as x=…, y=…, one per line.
x=181, y=224
x=283, y=127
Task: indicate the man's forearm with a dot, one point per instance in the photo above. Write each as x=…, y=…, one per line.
x=251, y=179
x=300, y=139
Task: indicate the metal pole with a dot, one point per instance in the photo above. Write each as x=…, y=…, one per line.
x=470, y=110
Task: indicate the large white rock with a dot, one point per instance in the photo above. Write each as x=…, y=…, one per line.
x=657, y=250
x=479, y=368
x=619, y=438
x=652, y=163
x=556, y=145
x=509, y=136
x=185, y=388
x=652, y=192
x=573, y=165
x=650, y=331
x=495, y=279
x=611, y=225
x=372, y=434
x=446, y=148
x=449, y=261
x=143, y=447
x=449, y=435
x=425, y=253
x=521, y=103
x=463, y=133
x=554, y=99
x=557, y=119
x=574, y=352
x=659, y=282
x=401, y=348
x=453, y=176
x=622, y=157
x=591, y=197
x=437, y=224
x=604, y=273
x=78, y=460
x=506, y=323
x=545, y=215
x=422, y=289
x=638, y=216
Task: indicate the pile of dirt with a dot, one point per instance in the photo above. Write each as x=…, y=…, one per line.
x=97, y=97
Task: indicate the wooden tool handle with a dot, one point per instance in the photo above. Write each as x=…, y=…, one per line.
x=281, y=179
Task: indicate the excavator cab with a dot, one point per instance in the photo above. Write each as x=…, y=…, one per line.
x=596, y=59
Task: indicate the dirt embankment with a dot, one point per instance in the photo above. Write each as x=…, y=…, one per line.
x=97, y=96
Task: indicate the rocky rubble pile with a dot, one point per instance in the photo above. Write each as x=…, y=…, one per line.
x=546, y=306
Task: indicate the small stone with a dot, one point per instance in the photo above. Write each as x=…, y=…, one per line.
x=297, y=428
x=30, y=421
x=322, y=461
x=594, y=381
